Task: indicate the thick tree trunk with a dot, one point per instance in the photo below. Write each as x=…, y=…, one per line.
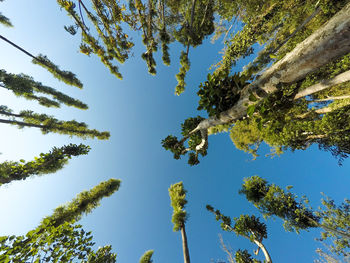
x=185, y=245
x=264, y=250
x=328, y=43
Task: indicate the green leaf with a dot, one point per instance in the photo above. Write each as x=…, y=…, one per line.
x=250, y=110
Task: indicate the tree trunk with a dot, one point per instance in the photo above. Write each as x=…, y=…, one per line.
x=264, y=250
x=341, y=78
x=328, y=43
x=185, y=245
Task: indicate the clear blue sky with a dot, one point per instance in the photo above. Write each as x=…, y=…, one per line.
x=140, y=111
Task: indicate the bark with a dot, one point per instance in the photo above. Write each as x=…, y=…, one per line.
x=328, y=43
x=185, y=245
x=341, y=78
x=264, y=250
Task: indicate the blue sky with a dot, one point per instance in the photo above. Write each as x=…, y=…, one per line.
x=140, y=111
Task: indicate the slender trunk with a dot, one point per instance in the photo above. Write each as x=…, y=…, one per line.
x=19, y=48
x=185, y=245
x=333, y=98
x=307, y=20
x=21, y=123
x=341, y=78
x=264, y=250
x=328, y=43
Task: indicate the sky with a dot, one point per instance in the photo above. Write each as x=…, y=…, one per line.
x=140, y=111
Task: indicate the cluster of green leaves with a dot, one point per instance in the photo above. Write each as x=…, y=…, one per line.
x=178, y=148
x=84, y=202
x=218, y=94
x=62, y=243
x=337, y=217
x=272, y=200
x=147, y=257
x=63, y=75
x=178, y=201
x=24, y=86
x=185, y=67
x=49, y=124
x=243, y=256
x=116, y=45
x=44, y=164
x=58, y=238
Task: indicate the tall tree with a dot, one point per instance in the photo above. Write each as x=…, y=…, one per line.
x=275, y=89
x=178, y=201
x=271, y=200
x=247, y=226
x=67, y=77
x=44, y=164
x=24, y=86
x=58, y=238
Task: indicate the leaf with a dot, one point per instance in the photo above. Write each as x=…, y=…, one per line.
x=250, y=110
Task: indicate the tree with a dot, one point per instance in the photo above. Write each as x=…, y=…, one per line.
x=43, y=61
x=58, y=238
x=247, y=226
x=271, y=200
x=178, y=201
x=160, y=22
x=44, y=164
x=278, y=91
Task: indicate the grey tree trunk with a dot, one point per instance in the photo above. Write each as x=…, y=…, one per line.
x=185, y=245
x=264, y=250
x=328, y=43
x=341, y=78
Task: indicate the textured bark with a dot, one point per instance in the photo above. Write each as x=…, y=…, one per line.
x=328, y=43
x=341, y=78
x=185, y=245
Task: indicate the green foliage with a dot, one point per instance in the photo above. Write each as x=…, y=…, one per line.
x=102, y=255
x=62, y=75
x=219, y=94
x=336, y=217
x=5, y=21
x=147, y=257
x=185, y=67
x=243, y=256
x=63, y=243
x=112, y=43
x=271, y=200
x=178, y=148
x=247, y=226
x=83, y=203
x=178, y=201
x=49, y=124
x=44, y=164
x=24, y=86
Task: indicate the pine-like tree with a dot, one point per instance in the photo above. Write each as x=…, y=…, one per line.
x=271, y=200
x=178, y=201
x=247, y=226
x=46, y=163
x=58, y=238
